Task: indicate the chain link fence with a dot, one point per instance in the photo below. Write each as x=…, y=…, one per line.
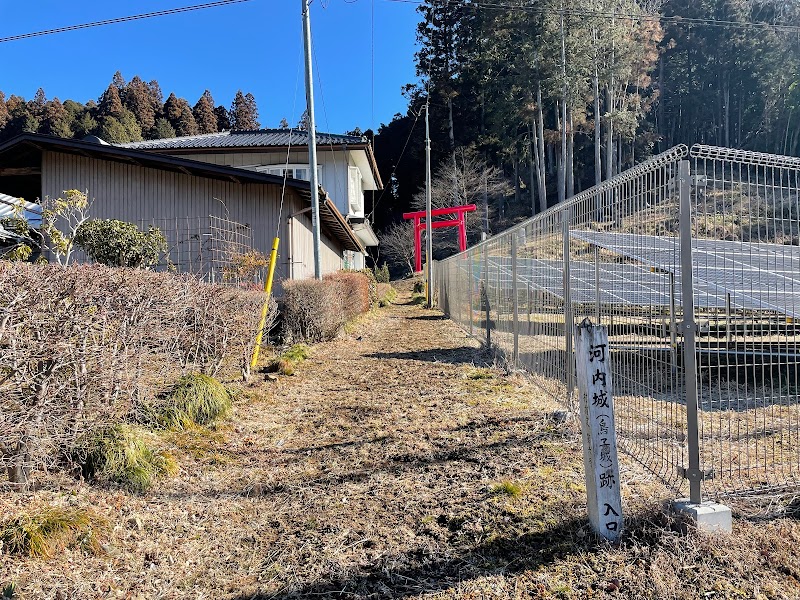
x=691, y=261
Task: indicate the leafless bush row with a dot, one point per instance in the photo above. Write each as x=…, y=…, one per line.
x=82, y=346
x=316, y=311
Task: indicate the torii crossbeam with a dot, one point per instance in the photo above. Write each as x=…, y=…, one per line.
x=459, y=221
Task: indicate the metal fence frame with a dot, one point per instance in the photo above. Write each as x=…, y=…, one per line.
x=506, y=291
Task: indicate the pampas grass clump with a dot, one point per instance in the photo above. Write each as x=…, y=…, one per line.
x=46, y=531
x=119, y=454
x=194, y=399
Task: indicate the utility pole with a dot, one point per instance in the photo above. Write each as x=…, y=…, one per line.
x=312, y=140
x=428, y=223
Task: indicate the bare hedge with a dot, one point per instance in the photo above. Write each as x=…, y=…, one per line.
x=316, y=311
x=82, y=346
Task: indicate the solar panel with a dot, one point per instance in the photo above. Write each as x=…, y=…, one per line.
x=755, y=275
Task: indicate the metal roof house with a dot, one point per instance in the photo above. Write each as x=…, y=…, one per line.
x=146, y=187
x=346, y=164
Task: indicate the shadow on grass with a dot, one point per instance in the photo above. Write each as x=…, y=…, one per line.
x=416, y=572
x=427, y=318
x=464, y=355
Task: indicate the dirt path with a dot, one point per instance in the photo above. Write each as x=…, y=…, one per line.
x=396, y=463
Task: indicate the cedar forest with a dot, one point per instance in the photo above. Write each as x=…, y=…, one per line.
x=529, y=103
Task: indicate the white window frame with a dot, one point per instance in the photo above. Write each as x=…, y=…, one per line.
x=279, y=170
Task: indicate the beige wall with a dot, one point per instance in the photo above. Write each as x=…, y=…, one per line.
x=136, y=194
x=303, y=250
x=334, y=167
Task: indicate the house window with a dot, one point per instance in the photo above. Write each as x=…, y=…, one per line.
x=293, y=171
x=354, y=191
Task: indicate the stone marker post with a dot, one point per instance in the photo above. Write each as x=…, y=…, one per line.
x=599, y=434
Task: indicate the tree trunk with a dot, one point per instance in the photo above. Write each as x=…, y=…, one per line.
x=610, y=131
x=598, y=175
x=562, y=189
x=20, y=470
x=570, y=159
x=562, y=174
x=517, y=190
x=533, y=163
x=542, y=173
x=660, y=113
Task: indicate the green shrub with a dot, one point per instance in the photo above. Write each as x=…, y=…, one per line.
x=194, y=399
x=373, y=285
x=506, y=488
x=119, y=454
x=381, y=273
x=386, y=294
x=286, y=361
x=45, y=532
x=419, y=287
x=118, y=244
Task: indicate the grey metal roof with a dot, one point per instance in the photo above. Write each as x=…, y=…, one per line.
x=258, y=138
x=329, y=215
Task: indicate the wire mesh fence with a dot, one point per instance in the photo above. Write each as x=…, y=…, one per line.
x=691, y=261
x=213, y=248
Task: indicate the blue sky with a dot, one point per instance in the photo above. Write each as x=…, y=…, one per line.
x=255, y=46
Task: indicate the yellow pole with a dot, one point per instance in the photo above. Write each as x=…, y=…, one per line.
x=273, y=258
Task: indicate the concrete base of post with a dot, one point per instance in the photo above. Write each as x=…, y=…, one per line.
x=709, y=517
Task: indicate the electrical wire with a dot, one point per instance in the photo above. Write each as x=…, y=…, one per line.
x=397, y=164
x=327, y=124
x=289, y=145
x=159, y=13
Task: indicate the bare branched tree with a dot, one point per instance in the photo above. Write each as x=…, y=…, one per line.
x=398, y=245
x=466, y=178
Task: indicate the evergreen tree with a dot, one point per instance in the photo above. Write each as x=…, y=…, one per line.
x=186, y=124
x=84, y=124
x=204, y=114
x=163, y=129
x=172, y=110
x=4, y=116
x=284, y=124
x=21, y=120
x=110, y=103
x=56, y=120
x=38, y=104
x=132, y=128
x=223, y=118
x=303, y=123
x=244, y=113
x=136, y=98
x=112, y=131
x=118, y=81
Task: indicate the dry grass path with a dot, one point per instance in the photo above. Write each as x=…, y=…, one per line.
x=395, y=463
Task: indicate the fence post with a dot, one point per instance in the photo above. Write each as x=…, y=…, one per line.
x=694, y=474
x=708, y=516
x=570, y=366
x=515, y=300
x=597, y=284
x=471, y=266
x=485, y=296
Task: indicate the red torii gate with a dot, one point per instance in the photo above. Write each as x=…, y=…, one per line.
x=419, y=226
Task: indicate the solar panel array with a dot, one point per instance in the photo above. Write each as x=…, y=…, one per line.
x=620, y=283
x=756, y=275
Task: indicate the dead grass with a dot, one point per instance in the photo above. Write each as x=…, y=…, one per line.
x=371, y=474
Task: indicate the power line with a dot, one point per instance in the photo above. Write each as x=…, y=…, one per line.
x=689, y=21
x=159, y=13
x=394, y=169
